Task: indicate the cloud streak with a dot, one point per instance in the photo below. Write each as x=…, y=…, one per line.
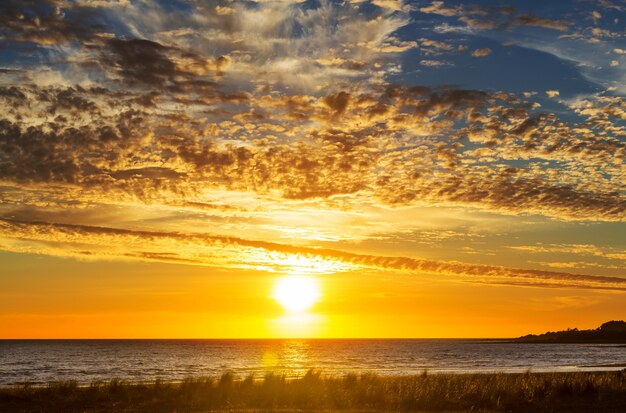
x=91, y=242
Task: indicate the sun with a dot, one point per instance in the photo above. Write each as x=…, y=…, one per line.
x=297, y=293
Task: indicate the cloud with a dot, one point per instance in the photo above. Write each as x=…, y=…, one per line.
x=140, y=61
x=338, y=102
x=304, y=147
x=531, y=20
x=432, y=63
x=438, y=7
x=89, y=242
x=610, y=254
x=396, y=5
x=44, y=23
x=272, y=42
x=481, y=52
x=223, y=10
x=288, y=103
x=481, y=17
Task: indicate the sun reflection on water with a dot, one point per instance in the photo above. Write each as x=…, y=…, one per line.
x=292, y=358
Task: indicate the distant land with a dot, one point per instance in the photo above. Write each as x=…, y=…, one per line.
x=609, y=332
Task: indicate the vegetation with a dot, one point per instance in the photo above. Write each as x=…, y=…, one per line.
x=610, y=332
x=529, y=392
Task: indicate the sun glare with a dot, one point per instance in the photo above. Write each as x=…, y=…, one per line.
x=297, y=293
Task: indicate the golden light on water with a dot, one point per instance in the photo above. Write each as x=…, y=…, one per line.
x=297, y=293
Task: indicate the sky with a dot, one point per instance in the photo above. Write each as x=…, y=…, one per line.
x=435, y=168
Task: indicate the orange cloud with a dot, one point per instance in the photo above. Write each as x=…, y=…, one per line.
x=91, y=242
x=481, y=52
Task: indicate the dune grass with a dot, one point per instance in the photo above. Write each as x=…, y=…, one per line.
x=529, y=392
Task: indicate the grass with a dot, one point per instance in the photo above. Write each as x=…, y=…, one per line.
x=529, y=392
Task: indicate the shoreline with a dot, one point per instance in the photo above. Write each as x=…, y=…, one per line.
x=259, y=375
x=487, y=392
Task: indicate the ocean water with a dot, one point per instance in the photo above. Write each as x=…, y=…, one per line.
x=43, y=361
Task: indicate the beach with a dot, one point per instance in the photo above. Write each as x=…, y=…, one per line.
x=315, y=392
x=343, y=375
x=38, y=362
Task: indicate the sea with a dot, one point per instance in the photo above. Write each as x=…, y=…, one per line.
x=88, y=361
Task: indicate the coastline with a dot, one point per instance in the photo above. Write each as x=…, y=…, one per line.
x=87, y=361
x=486, y=392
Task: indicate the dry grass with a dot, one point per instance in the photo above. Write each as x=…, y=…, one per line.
x=530, y=392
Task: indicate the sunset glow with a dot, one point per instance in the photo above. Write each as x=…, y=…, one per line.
x=311, y=168
x=297, y=293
